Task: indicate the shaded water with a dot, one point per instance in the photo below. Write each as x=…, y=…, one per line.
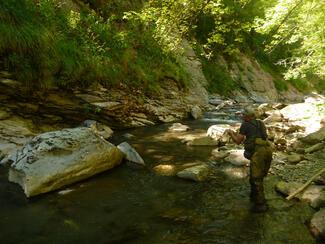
x=133, y=205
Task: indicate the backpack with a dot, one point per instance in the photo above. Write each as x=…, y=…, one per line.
x=259, y=138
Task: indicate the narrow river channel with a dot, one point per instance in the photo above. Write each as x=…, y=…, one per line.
x=137, y=205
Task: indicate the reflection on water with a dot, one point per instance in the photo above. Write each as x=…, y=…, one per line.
x=134, y=205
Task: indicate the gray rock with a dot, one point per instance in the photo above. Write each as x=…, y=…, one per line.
x=55, y=159
x=236, y=157
x=98, y=128
x=317, y=224
x=295, y=158
x=314, y=194
x=320, y=179
x=315, y=137
x=217, y=131
x=196, y=112
x=130, y=153
x=218, y=155
x=275, y=116
x=195, y=173
x=287, y=188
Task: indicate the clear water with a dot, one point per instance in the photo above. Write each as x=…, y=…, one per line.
x=136, y=205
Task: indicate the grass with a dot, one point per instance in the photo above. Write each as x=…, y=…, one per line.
x=46, y=45
x=280, y=85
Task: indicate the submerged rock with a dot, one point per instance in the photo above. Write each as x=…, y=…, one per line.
x=195, y=173
x=203, y=141
x=55, y=159
x=178, y=127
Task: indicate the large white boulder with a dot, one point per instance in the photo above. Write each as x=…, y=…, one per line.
x=55, y=159
x=236, y=157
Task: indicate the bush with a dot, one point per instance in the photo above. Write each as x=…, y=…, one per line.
x=300, y=84
x=218, y=78
x=280, y=85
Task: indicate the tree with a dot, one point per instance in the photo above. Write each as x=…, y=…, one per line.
x=299, y=25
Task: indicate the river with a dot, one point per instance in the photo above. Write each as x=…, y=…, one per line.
x=136, y=205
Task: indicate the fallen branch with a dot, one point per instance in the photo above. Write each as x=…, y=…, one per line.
x=305, y=185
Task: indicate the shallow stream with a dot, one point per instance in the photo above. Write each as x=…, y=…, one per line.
x=137, y=205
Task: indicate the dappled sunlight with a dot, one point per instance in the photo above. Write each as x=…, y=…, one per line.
x=183, y=136
x=172, y=168
x=165, y=169
x=308, y=114
x=235, y=172
x=73, y=19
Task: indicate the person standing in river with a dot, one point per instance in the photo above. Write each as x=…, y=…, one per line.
x=258, y=150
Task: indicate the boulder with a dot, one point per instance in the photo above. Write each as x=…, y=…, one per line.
x=295, y=158
x=317, y=224
x=130, y=153
x=236, y=157
x=98, y=128
x=287, y=188
x=55, y=159
x=315, y=137
x=196, y=112
x=314, y=148
x=275, y=116
x=320, y=179
x=263, y=108
x=218, y=155
x=195, y=173
x=314, y=194
x=217, y=132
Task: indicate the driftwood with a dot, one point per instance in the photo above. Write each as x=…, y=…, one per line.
x=305, y=185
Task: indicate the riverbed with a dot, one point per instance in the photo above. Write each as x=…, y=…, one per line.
x=137, y=205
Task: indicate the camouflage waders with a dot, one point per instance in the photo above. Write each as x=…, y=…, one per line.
x=259, y=167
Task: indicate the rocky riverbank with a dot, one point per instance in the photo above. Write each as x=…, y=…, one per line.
x=297, y=130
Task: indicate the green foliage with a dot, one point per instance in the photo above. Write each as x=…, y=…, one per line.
x=218, y=78
x=280, y=85
x=48, y=44
x=295, y=33
x=301, y=84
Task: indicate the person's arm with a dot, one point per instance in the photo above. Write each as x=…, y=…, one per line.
x=236, y=137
